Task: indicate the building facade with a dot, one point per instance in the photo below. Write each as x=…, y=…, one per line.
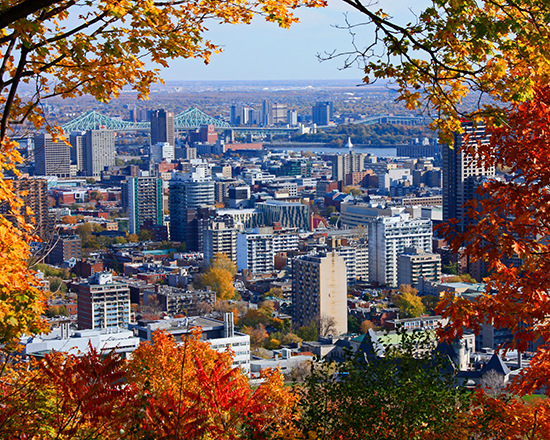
x=143, y=201
x=51, y=158
x=162, y=127
x=416, y=263
x=188, y=192
x=388, y=239
x=100, y=151
x=103, y=303
x=320, y=290
x=461, y=173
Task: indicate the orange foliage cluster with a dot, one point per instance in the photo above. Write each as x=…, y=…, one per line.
x=166, y=391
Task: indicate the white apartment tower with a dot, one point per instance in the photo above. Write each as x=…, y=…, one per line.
x=99, y=147
x=388, y=238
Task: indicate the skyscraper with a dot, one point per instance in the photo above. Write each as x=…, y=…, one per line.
x=320, y=291
x=461, y=174
x=100, y=151
x=78, y=151
x=143, y=201
x=188, y=192
x=162, y=127
x=51, y=158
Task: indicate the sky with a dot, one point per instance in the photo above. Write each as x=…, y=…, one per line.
x=263, y=51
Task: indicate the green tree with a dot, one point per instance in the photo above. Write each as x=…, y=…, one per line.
x=308, y=332
x=409, y=393
x=353, y=324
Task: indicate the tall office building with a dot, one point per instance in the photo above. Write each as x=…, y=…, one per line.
x=78, y=151
x=267, y=113
x=100, y=151
x=388, y=239
x=188, y=192
x=162, y=127
x=279, y=113
x=143, y=202
x=322, y=112
x=51, y=158
x=461, y=174
x=103, y=303
x=320, y=290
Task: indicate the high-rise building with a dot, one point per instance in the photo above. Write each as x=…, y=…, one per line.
x=344, y=164
x=34, y=194
x=278, y=112
x=256, y=249
x=51, y=158
x=188, y=192
x=461, y=173
x=220, y=238
x=100, y=151
x=143, y=202
x=267, y=113
x=320, y=291
x=103, y=303
x=78, y=151
x=322, y=112
x=162, y=127
x=292, y=118
x=416, y=263
x=388, y=238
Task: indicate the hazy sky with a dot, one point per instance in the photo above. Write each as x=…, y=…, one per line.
x=263, y=51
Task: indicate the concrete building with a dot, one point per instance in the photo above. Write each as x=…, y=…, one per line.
x=188, y=192
x=162, y=151
x=415, y=263
x=78, y=151
x=256, y=249
x=143, y=201
x=388, y=238
x=65, y=248
x=78, y=343
x=320, y=290
x=289, y=215
x=99, y=148
x=353, y=216
x=162, y=127
x=103, y=303
x=344, y=164
x=51, y=158
x=460, y=174
x=322, y=112
x=220, y=238
x=174, y=300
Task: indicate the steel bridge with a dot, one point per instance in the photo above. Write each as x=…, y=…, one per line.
x=187, y=120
